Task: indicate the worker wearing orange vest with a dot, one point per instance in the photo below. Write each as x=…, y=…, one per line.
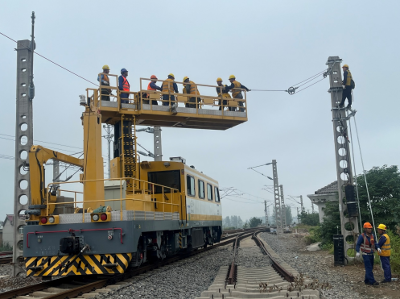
x=124, y=85
x=104, y=80
x=152, y=86
x=366, y=244
x=236, y=88
x=384, y=249
x=168, y=88
x=191, y=88
x=222, y=92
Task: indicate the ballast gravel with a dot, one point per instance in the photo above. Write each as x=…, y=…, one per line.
x=7, y=282
x=313, y=266
x=188, y=278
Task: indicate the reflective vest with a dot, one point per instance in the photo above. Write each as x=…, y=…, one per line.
x=385, y=247
x=105, y=80
x=237, y=89
x=168, y=86
x=193, y=88
x=367, y=246
x=125, y=85
x=349, y=78
x=150, y=88
x=224, y=94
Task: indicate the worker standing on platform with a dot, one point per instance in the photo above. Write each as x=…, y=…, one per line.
x=152, y=86
x=348, y=87
x=366, y=243
x=222, y=92
x=191, y=88
x=383, y=248
x=236, y=88
x=104, y=80
x=124, y=85
x=169, y=87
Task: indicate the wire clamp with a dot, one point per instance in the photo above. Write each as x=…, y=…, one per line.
x=291, y=90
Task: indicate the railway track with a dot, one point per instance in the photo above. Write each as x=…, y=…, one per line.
x=71, y=287
x=277, y=281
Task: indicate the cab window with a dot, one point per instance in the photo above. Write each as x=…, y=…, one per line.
x=209, y=192
x=191, y=190
x=216, y=191
x=202, y=194
x=171, y=179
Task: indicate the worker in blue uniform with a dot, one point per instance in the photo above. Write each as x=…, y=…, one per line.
x=348, y=87
x=366, y=244
x=124, y=85
x=236, y=88
x=384, y=249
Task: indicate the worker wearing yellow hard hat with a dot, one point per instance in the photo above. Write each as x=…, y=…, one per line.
x=366, y=244
x=104, y=80
x=168, y=88
x=191, y=88
x=151, y=86
x=349, y=85
x=222, y=92
x=236, y=87
x=384, y=250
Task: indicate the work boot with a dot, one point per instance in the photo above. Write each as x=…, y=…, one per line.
x=348, y=107
x=340, y=106
x=375, y=284
x=385, y=281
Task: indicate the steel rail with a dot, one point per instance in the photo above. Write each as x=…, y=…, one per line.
x=275, y=264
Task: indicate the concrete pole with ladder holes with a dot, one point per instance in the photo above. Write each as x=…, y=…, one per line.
x=277, y=200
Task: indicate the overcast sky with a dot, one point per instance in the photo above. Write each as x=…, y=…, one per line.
x=266, y=44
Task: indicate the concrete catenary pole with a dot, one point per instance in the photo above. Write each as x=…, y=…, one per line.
x=301, y=203
x=23, y=142
x=109, y=137
x=277, y=200
x=157, y=144
x=348, y=225
x=266, y=213
x=284, y=222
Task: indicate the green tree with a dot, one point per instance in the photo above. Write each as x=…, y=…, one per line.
x=331, y=222
x=309, y=218
x=246, y=225
x=254, y=222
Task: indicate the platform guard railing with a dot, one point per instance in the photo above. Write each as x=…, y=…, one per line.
x=138, y=196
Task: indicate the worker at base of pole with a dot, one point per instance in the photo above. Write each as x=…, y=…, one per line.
x=191, y=88
x=124, y=85
x=384, y=249
x=366, y=243
x=236, y=88
x=348, y=87
x=104, y=80
x=222, y=92
x=152, y=86
x=169, y=87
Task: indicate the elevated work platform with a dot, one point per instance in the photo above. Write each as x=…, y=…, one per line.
x=155, y=108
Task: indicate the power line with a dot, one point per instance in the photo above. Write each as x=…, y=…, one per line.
x=44, y=141
x=64, y=68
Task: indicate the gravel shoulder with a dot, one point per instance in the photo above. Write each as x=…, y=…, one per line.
x=347, y=282
x=8, y=283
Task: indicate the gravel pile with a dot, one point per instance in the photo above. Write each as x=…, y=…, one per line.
x=185, y=279
x=313, y=266
x=8, y=283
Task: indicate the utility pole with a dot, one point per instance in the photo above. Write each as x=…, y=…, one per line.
x=301, y=203
x=56, y=174
x=298, y=216
x=346, y=190
x=109, y=137
x=266, y=213
x=284, y=222
x=23, y=142
x=157, y=144
x=277, y=201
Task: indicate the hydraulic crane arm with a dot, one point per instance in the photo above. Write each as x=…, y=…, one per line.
x=38, y=156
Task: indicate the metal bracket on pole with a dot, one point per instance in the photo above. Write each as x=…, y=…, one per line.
x=157, y=144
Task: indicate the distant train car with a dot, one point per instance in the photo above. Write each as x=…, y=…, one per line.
x=173, y=208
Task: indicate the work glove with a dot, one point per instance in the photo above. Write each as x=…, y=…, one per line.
x=357, y=254
x=379, y=250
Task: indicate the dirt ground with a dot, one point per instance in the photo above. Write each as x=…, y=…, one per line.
x=355, y=274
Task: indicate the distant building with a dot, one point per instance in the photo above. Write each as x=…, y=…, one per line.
x=8, y=230
x=322, y=196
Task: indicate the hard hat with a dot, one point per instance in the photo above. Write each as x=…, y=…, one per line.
x=171, y=75
x=153, y=77
x=219, y=79
x=106, y=67
x=232, y=77
x=382, y=226
x=367, y=225
x=345, y=65
x=185, y=78
x=123, y=71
